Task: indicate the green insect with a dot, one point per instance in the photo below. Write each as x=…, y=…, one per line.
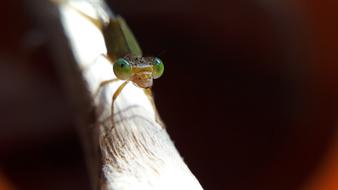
x=124, y=51
x=125, y=54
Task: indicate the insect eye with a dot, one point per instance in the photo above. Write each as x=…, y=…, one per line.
x=122, y=69
x=158, y=68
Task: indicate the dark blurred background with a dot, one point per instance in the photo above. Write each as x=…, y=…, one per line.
x=249, y=94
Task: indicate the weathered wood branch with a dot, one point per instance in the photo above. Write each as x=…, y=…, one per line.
x=126, y=149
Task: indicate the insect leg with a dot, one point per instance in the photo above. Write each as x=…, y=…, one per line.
x=118, y=91
x=102, y=84
x=149, y=94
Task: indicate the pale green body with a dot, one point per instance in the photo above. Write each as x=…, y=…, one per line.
x=120, y=41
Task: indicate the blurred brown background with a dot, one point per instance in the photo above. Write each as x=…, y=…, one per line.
x=249, y=94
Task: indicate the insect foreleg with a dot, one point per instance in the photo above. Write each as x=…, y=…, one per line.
x=102, y=84
x=149, y=94
x=117, y=93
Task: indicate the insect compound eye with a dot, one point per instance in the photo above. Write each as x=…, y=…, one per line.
x=122, y=69
x=158, y=68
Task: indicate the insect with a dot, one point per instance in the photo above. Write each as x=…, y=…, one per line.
x=125, y=54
